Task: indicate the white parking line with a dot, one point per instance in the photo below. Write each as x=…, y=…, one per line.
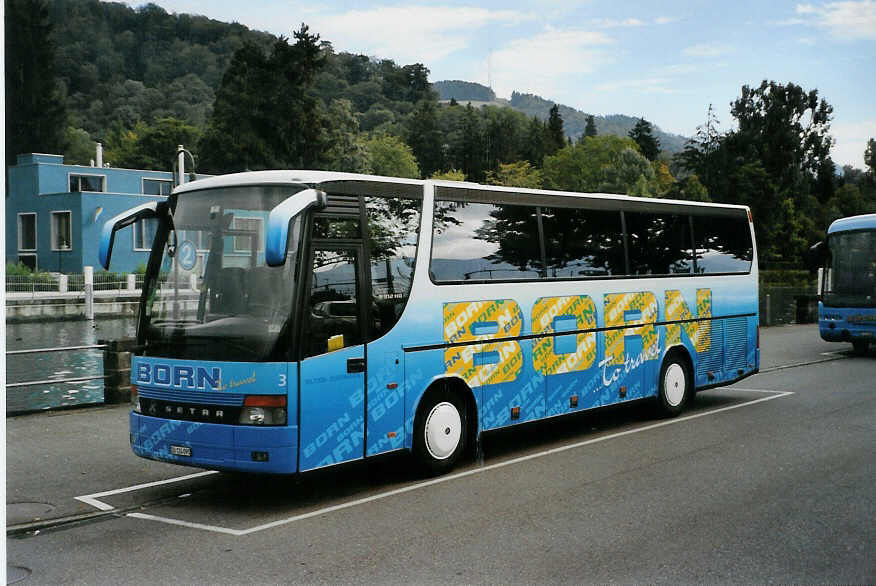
x=92, y=499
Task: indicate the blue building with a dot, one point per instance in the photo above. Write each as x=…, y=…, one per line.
x=54, y=213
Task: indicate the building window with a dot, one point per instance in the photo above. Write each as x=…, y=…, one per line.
x=144, y=234
x=62, y=231
x=245, y=229
x=27, y=239
x=87, y=183
x=28, y=260
x=157, y=187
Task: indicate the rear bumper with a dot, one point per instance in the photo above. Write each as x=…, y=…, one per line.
x=215, y=446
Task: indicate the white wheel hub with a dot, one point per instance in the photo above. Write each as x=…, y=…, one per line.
x=443, y=430
x=674, y=384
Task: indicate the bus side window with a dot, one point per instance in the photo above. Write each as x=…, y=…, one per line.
x=393, y=226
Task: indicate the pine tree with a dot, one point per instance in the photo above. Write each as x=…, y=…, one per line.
x=556, y=136
x=648, y=143
x=590, y=129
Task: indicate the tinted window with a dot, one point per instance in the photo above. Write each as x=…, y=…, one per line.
x=393, y=225
x=483, y=241
x=659, y=244
x=581, y=243
x=723, y=244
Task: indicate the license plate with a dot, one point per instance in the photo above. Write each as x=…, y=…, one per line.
x=181, y=451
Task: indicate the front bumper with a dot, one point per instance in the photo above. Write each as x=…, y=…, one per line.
x=240, y=448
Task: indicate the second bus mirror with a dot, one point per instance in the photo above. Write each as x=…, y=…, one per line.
x=280, y=219
x=113, y=225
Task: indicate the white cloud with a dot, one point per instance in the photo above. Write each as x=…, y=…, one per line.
x=707, y=50
x=410, y=33
x=851, y=141
x=549, y=63
x=843, y=20
x=665, y=19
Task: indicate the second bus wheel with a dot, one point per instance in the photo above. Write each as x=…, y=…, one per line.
x=439, y=431
x=674, y=387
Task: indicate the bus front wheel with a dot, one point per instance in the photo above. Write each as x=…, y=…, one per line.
x=439, y=431
x=860, y=346
x=675, y=386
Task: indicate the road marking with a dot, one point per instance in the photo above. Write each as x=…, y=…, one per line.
x=92, y=498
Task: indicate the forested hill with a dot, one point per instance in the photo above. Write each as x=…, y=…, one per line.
x=574, y=121
x=139, y=65
x=118, y=65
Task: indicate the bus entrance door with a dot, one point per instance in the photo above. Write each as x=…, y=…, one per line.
x=332, y=406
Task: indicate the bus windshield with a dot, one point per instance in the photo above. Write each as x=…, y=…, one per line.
x=851, y=271
x=209, y=294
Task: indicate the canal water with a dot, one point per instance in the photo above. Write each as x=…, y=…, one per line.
x=58, y=365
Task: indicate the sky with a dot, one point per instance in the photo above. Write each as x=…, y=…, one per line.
x=664, y=61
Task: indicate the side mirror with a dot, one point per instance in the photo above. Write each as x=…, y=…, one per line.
x=816, y=255
x=820, y=284
x=280, y=220
x=126, y=218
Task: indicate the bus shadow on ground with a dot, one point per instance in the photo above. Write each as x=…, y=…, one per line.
x=245, y=500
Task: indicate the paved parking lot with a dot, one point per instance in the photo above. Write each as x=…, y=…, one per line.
x=771, y=480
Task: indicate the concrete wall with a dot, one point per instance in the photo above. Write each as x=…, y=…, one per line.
x=71, y=306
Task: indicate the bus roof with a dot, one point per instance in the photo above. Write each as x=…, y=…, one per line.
x=853, y=223
x=465, y=189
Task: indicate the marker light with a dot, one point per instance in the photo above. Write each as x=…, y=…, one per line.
x=135, y=399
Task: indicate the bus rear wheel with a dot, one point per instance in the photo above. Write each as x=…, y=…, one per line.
x=675, y=386
x=439, y=432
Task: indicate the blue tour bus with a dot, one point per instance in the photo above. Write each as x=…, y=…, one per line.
x=292, y=320
x=847, y=283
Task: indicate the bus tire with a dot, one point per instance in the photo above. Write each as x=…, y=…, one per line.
x=860, y=346
x=439, y=431
x=675, y=386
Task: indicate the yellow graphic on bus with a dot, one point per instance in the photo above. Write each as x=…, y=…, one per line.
x=698, y=332
x=630, y=309
x=475, y=321
x=544, y=313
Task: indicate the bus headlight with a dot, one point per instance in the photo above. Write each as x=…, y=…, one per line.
x=135, y=399
x=263, y=410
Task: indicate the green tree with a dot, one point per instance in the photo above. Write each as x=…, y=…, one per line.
x=600, y=163
x=517, y=174
x=649, y=145
x=425, y=138
x=870, y=159
x=264, y=115
x=590, y=128
x=80, y=148
x=35, y=106
x=535, y=147
x=449, y=175
x=556, y=136
x=346, y=149
x=391, y=157
x=152, y=146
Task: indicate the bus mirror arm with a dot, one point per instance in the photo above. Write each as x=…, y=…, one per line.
x=114, y=224
x=280, y=221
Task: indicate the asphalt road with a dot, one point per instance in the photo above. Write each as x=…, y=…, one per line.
x=772, y=480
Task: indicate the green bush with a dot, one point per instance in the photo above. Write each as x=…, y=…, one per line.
x=22, y=270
